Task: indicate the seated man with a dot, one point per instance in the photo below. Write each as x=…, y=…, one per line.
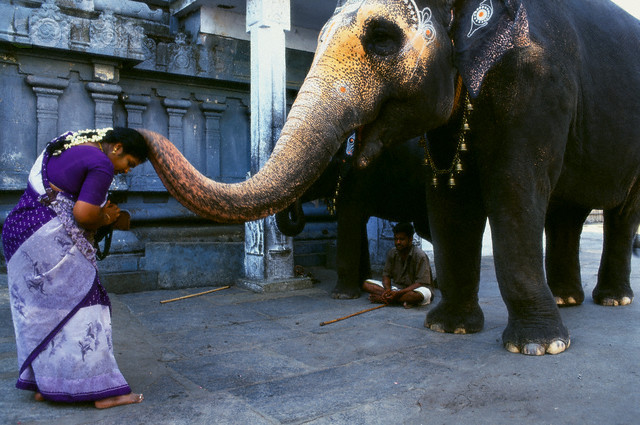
x=409, y=269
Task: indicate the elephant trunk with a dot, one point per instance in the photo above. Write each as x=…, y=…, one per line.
x=291, y=221
x=297, y=159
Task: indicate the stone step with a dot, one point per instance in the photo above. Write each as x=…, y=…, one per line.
x=129, y=282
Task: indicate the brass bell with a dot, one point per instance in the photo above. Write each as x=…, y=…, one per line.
x=466, y=127
x=459, y=166
x=463, y=147
x=469, y=107
x=434, y=181
x=452, y=181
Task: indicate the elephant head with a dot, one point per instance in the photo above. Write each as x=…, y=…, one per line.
x=384, y=67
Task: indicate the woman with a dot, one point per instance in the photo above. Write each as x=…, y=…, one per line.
x=61, y=312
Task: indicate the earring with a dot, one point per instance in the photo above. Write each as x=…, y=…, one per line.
x=114, y=151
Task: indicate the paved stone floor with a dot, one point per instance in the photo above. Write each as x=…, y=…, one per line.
x=237, y=357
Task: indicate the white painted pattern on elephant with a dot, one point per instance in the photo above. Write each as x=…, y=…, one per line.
x=351, y=144
x=423, y=23
x=481, y=16
x=425, y=30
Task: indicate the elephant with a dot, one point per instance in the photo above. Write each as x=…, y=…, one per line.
x=392, y=187
x=536, y=101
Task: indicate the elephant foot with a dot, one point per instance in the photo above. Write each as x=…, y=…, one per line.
x=534, y=349
x=450, y=318
x=567, y=295
x=342, y=293
x=568, y=301
x=536, y=339
x=614, y=302
x=610, y=298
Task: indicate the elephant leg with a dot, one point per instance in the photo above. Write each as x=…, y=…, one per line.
x=457, y=222
x=613, y=287
x=534, y=326
x=348, y=255
x=563, y=227
x=365, y=259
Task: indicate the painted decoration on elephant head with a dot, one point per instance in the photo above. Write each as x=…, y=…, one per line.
x=481, y=16
x=351, y=144
x=423, y=24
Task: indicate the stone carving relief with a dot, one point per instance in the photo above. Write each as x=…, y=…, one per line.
x=181, y=55
x=48, y=26
x=133, y=9
x=278, y=241
x=117, y=37
x=110, y=34
x=254, y=237
x=106, y=32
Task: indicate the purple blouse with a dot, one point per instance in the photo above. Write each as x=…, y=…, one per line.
x=84, y=172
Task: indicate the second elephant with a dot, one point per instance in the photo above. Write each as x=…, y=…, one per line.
x=392, y=188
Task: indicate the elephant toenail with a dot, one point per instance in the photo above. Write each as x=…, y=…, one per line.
x=533, y=350
x=436, y=327
x=511, y=348
x=556, y=347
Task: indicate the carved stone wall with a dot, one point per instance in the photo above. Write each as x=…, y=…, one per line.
x=76, y=64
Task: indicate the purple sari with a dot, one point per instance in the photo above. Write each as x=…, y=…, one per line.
x=61, y=313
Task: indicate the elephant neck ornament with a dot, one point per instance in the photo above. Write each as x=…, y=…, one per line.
x=456, y=163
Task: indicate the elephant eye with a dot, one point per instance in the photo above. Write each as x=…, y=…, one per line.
x=382, y=38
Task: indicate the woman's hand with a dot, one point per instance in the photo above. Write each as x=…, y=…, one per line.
x=111, y=213
x=91, y=217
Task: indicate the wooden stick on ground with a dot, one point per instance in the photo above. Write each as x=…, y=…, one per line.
x=195, y=295
x=351, y=315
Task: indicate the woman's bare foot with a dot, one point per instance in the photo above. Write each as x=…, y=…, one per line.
x=38, y=397
x=119, y=400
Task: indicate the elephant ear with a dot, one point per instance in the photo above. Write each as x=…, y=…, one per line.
x=482, y=32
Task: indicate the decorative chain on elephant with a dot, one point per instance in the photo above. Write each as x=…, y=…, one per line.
x=555, y=88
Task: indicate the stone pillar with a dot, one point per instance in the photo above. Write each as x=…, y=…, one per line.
x=212, y=137
x=104, y=95
x=47, y=91
x=135, y=106
x=143, y=177
x=268, y=253
x=176, y=109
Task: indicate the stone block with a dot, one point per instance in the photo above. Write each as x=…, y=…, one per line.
x=276, y=285
x=193, y=264
x=124, y=283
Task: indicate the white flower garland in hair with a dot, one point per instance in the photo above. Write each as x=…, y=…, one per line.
x=81, y=137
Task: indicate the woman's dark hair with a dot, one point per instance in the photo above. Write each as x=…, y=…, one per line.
x=405, y=227
x=132, y=142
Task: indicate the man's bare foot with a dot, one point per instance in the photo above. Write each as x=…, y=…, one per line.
x=119, y=400
x=38, y=397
